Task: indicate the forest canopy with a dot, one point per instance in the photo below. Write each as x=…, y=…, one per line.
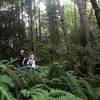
x=24, y=23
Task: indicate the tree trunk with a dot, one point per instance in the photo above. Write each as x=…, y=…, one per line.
x=53, y=28
x=97, y=11
x=39, y=15
x=84, y=20
x=64, y=26
x=32, y=26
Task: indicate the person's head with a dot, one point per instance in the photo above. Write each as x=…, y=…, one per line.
x=22, y=52
x=31, y=52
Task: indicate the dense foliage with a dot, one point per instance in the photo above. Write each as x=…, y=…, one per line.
x=64, y=36
x=57, y=81
x=27, y=23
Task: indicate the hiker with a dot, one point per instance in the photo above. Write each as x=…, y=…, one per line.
x=22, y=59
x=31, y=60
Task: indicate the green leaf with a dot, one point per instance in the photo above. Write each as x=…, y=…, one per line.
x=6, y=80
x=5, y=94
x=2, y=65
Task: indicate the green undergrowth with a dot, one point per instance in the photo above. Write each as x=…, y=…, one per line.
x=57, y=81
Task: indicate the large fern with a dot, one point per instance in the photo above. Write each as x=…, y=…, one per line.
x=88, y=89
x=41, y=86
x=33, y=94
x=97, y=93
x=2, y=66
x=62, y=95
x=44, y=83
x=6, y=80
x=5, y=94
x=39, y=94
x=73, y=85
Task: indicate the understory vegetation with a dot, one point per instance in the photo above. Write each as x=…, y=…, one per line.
x=76, y=78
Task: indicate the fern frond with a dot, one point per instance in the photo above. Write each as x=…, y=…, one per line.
x=74, y=85
x=57, y=93
x=97, y=93
x=62, y=95
x=6, y=80
x=41, y=86
x=5, y=94
x=12, y=61
x=88, y=89
x=2, y=66
x=23, y=94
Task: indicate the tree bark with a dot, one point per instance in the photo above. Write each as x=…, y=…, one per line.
x=97, y=11
x=53, y=28
x=84, y=20
x=64, y=26
x=39, y=15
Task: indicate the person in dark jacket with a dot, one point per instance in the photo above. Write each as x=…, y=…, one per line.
x=22, y=59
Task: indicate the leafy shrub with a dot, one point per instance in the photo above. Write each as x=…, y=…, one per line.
x=45, y=83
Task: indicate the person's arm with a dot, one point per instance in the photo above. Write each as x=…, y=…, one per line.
x=33, y=57
x=23, y=60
